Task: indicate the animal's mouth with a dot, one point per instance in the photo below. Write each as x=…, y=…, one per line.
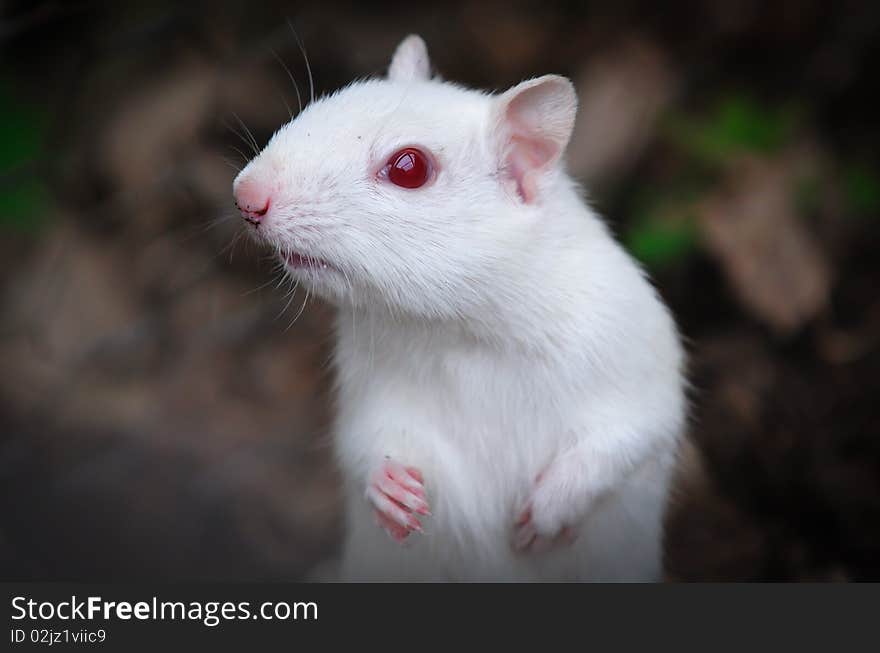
x=297, y=261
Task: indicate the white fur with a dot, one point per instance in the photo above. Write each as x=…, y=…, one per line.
x=410, y=60
x=483, y=336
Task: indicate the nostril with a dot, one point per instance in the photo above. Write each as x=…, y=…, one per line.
x=251, y=214
x=263, y=211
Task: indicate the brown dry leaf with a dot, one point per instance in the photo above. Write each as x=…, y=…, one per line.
x=147, y=134
x=71, y=295
x=621, y=95
x=70, y=300
x=776, y=268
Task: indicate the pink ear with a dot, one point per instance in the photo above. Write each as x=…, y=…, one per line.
x=534, y=121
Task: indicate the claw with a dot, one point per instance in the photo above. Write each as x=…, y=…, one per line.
x=527, y=540
x=397, y=495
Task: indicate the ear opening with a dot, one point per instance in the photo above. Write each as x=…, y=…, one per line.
x=410, y=61
x=534, y=121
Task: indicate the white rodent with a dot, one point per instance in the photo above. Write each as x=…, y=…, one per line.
x=509, y=383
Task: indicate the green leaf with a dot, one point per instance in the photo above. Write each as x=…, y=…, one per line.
x=861, y=185
x=24, y=206
x=735, y=125
x=659, y=242
x=24, y=199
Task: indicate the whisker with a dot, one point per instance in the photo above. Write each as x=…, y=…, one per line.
x=231, y=164
x=243, y=155
x=291, y=295
x=253, y=142
x=278, y=285
x=286, y=105
x=231, y=246
x=301, y=309
x=260, y=287
x=201, y=229
x=292, y=81
x=280, y=254
x=241, y=136
x=306, y=57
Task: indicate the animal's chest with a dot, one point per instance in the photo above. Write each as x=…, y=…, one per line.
x=497, y=416
x=480, y=427
x=483, y=390
x=501, y=416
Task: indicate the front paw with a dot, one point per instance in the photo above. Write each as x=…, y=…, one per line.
x=551, y=515
x=397, y=494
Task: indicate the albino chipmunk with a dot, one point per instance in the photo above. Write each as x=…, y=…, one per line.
x=510, y=387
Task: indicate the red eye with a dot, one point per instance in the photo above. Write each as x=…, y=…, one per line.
x=408, y=168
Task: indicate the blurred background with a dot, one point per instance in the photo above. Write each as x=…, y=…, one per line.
x=163, y=414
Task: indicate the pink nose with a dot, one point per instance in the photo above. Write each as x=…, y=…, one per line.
x=252, y=201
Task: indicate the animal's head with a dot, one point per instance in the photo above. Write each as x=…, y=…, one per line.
x=409, y=192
